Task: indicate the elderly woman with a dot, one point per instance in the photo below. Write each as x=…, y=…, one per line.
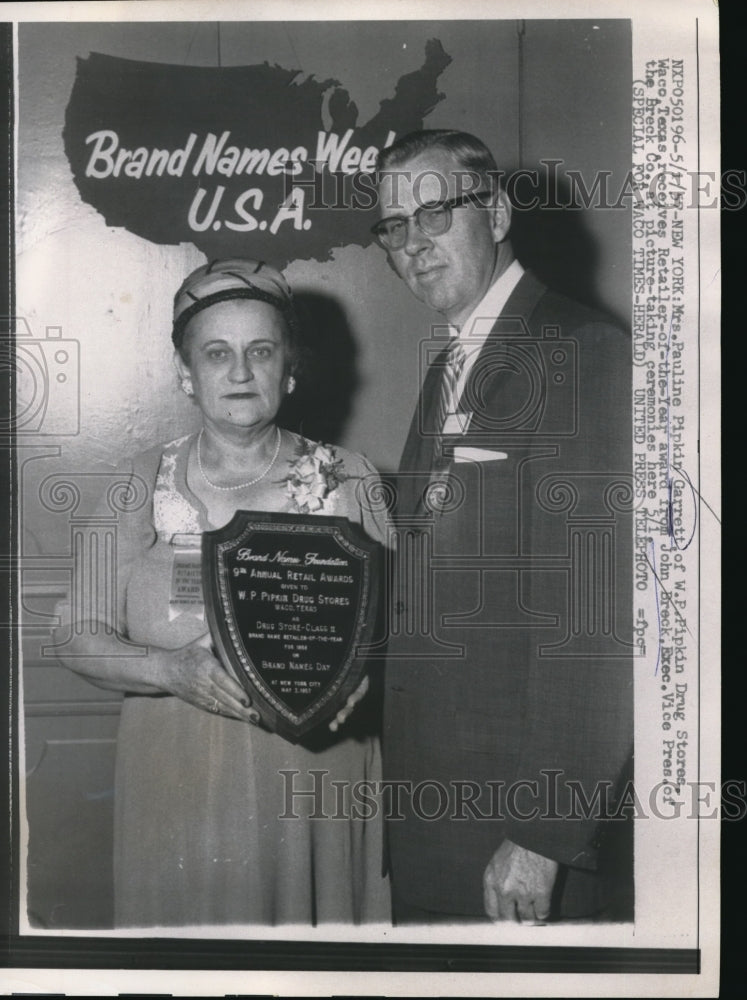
x=207, y=828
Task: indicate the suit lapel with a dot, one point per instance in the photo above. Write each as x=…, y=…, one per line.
x=513, y=321
x=419, y=451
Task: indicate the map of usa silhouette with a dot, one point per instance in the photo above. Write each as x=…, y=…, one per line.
x=256, y=161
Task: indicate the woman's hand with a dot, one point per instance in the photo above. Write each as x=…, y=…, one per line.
x=193, y=674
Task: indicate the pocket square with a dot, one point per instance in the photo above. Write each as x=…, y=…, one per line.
x=466, y=454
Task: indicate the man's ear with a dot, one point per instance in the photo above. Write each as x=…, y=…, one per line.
x=500, y=215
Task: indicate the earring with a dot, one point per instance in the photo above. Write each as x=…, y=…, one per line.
x=291, y=383
x=187, y=386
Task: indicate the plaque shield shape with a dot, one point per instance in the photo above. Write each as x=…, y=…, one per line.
x=289, y=599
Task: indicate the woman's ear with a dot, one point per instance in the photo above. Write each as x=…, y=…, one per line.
x=182, y=368
x=185, y=378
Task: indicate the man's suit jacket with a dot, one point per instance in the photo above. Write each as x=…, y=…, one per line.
x=510, y=657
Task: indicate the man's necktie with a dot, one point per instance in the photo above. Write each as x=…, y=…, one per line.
x=447, y=403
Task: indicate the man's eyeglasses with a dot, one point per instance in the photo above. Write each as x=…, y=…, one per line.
x=431, y=220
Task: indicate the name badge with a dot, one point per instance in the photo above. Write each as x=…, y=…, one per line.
x=186, y=582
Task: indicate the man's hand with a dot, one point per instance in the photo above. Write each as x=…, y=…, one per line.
x=517, y=884
x=352, y=700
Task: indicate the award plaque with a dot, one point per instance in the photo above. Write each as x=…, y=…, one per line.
x=289, y=599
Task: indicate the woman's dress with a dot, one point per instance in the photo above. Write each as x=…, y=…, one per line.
x=211, y=823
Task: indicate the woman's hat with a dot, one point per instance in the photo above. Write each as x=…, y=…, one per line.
x=237, y=278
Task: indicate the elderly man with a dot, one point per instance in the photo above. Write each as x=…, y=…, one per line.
x=508, y=705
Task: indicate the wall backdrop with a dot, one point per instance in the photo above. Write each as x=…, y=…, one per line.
x=112, y=290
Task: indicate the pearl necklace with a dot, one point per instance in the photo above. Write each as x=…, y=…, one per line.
x=240, y=486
